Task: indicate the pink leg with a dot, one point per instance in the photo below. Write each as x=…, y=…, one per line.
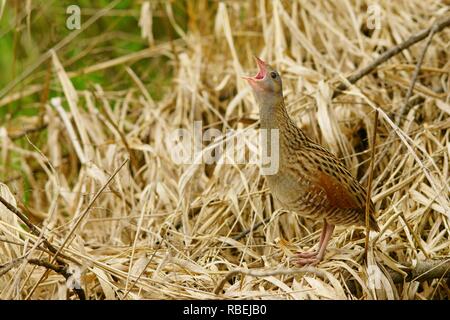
x=300, y=260
x=316, y=252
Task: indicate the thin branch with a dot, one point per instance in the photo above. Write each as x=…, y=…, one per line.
x=77, y=223
x=407, y=104
x=422, y=271
x=438, y=26
x=62, y=270
x=4, y=268
x=267, y=273
x=33, y=229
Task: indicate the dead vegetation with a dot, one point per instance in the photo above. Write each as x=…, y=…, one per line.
x=94, y=170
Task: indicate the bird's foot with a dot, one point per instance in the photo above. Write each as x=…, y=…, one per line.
x=300, y=262
x=311, y=254
x=306, y=258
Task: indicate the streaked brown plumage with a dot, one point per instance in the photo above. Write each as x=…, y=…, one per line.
x=310, y=180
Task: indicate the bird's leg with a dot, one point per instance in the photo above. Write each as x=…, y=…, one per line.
x=328, y=231
x=314, y=253
x=326, y=239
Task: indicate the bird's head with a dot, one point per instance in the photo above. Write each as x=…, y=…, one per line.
x=266, y=83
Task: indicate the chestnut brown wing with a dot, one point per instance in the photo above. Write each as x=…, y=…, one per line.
x=337, y=194
x=340, y=197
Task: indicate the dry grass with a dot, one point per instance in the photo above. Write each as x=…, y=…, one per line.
x=165, y=231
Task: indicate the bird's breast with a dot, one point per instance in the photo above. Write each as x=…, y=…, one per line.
x=293, y=192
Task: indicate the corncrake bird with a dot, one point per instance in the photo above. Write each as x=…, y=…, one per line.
x=310, y=180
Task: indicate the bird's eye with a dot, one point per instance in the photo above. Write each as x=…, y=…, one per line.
x=273, y=74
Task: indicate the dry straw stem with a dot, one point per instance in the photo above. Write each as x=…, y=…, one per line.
x=425, y=270
x=406, y=106
x=31, y=226
x=62, y=266
x=369, y=183
x=69, y=238
x=422, y=271
x=440, y=24
x=267, y=273
x=62, y=270
x=162, y=230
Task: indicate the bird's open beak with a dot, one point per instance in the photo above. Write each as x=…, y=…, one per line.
x=262, y=70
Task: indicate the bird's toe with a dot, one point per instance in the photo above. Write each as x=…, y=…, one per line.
x=300, y=262
x=301, y=254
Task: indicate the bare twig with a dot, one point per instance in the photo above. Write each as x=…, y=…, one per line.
x=407, y=105
x=422, y=271
x=62, y=270
x=4, y=268
x=77, y=223
x=57, y=268
x=33, y=229
x=438, y=26
x=266, y=273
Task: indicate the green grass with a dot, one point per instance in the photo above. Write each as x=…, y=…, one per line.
x=24, y=39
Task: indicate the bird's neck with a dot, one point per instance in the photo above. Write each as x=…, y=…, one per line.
x=272, y=112
x=275, y=116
